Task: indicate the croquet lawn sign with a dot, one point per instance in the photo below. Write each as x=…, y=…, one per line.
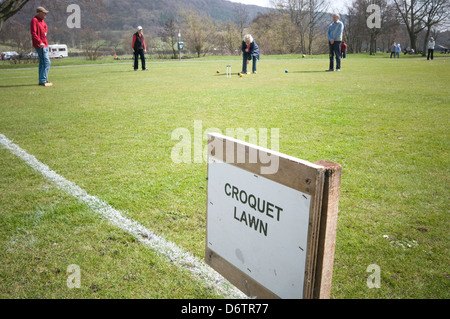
x=259, y=226
x=264, y=229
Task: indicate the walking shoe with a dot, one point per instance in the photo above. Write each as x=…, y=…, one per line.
x=144, y=69
x=329, y=70
x=46, y=84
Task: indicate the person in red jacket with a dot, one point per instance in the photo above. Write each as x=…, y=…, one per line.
x=139, y=48
x=343, y=49
x=38, y=29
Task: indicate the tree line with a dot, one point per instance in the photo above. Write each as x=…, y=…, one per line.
x=291, y=27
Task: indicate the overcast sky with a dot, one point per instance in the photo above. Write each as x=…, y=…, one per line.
x=337, y=5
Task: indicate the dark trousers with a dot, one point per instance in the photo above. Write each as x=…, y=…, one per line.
x=335, y=50
x=137, y=54
x=430, y=53
x=244, y=63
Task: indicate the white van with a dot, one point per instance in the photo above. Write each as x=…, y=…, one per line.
x=57, y=51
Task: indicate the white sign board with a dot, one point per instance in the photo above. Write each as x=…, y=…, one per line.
x=271, y=220
x=259, y=226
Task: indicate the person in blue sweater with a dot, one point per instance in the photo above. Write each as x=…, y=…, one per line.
x=398, y=49
x=334, y=35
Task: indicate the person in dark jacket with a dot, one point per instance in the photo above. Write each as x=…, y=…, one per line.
x=139, y=48
x=250, y=50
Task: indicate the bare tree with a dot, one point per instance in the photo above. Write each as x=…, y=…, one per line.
x=242, y=19
x=298, y=12
x=359, y=32
x=412, y=13
x=18, y=34
x=169, y=34
x=436, y=11
x=316, y=11
x=232, y=37
x=353, y=29
x=200, y=32
x=375, y=31
x=8, y=8
x=306, y=16
x=92, y=44
x=275, y=33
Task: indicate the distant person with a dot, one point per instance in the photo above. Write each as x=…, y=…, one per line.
x=393, y=49
x=430, y=47
x=344, y=50
x=398, y=49
x=38, y=29
x=334, y=35
x=139, y=49
x=250, y=51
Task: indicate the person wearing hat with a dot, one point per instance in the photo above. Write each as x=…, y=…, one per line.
x=138, y=46
x=38, y=29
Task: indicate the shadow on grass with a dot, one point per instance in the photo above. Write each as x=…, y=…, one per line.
x=121, y=71
x=315, y=71
x=18, y=85
x=232, y=74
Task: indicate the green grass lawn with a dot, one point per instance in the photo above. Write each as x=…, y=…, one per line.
x=108, y=129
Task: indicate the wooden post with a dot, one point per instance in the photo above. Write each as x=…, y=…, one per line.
x=327, y=231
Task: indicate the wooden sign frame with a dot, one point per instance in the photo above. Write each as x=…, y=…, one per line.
x=320, y=180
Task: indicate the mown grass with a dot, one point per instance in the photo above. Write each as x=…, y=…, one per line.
x=44, y=231
x=108, y=129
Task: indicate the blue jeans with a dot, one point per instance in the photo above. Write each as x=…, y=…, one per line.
x=44, y=64
x=335, y=50
x=244, y=64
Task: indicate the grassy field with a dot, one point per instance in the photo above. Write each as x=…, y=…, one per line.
x=108, y=129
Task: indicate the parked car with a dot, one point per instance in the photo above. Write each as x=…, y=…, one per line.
x=9, y=55
x=31, y=55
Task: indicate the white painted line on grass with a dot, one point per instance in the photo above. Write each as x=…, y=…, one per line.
x=176, y=255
